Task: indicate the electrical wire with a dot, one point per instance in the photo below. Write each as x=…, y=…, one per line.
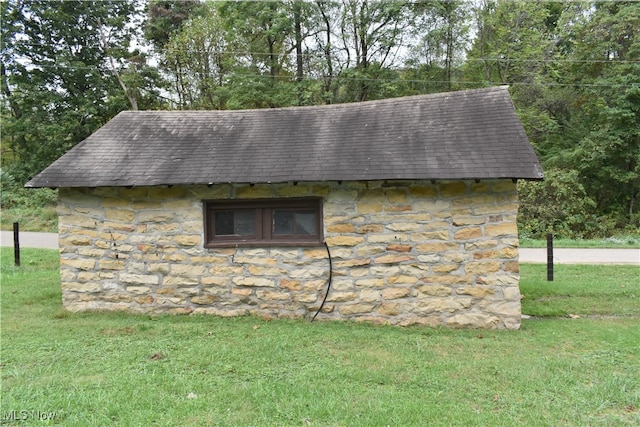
x=381, y=80
x=328, y=284
x=321, y=54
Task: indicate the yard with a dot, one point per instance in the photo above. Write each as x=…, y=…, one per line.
x=576, y=361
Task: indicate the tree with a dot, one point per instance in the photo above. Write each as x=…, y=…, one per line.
x=287, y=52
x=198, y=57
x=442, y=30
x=166, y=17
x=516, y=44
x=324, y=41
x=371, y=35
x=559, y=205
x=57, y=84
x=236, y=55
x=69, y=66
x=605, y=47
x=266, y=35
x=513, y=42
x=574, y=72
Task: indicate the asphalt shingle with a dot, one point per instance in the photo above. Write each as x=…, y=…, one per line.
x=472, y=134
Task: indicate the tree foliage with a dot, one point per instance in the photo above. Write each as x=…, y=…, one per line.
x=58, y=85
x=573, y=68
x=559, y=205
x=607, y=68
x=575, y=73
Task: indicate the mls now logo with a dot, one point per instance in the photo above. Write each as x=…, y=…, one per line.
x=28, y=415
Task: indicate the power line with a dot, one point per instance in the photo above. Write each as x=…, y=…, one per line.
x=186, y=74
x=240, y=53
x=413, y=81
x=546, y=61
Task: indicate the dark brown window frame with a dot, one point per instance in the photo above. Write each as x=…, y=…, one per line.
x=264, y=216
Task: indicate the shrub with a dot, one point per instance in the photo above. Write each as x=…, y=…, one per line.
x=34, y=209
x=14, y=195
x=558, y=205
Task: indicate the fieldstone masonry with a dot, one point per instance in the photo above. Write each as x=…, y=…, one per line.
x=403, y=253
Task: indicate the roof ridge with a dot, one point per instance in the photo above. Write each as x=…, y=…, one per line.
x=355, y=104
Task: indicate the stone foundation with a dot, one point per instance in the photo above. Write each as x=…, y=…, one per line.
x=403, y=253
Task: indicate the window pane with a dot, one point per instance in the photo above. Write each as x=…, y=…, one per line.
x=245, y=222
x=237, y=222
x=283, y=221
x=306, y=222
x=294, y=222
x=224, y=223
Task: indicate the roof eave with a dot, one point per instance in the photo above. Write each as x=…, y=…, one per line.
x=53, y=185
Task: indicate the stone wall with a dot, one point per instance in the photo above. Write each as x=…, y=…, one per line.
x=404, y=253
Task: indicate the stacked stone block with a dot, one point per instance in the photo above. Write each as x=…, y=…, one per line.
x=402, y=252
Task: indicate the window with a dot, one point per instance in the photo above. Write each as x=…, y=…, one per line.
x=273, y=222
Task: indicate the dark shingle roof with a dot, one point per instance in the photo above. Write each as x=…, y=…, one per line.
x=470, y=134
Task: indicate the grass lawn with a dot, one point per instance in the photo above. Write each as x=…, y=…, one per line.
x=120, y=369
x=584, y=290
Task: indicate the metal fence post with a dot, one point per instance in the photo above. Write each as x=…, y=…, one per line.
x=549, y=257
x=16, y=243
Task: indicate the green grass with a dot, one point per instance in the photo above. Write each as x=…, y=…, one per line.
x=581, y=290
x=120, y=369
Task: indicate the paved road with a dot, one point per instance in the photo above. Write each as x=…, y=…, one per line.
x=30, y=240
x=582, y=256
x=528, y=255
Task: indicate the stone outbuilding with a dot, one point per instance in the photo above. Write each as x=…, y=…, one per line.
x=400, y=211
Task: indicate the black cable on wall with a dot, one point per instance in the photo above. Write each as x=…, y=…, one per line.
x=328, y=285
